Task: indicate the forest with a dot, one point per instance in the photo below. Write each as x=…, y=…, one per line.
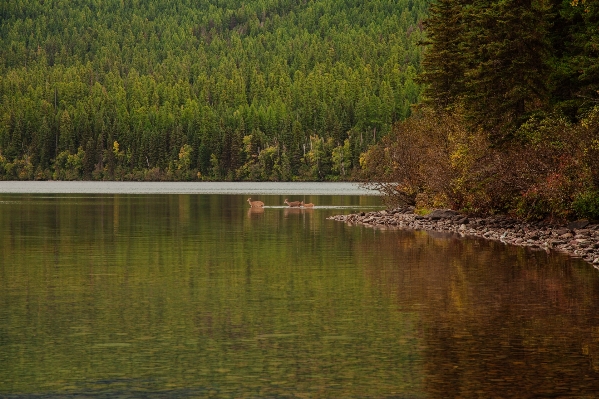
x=508, y=120
x=274, y=90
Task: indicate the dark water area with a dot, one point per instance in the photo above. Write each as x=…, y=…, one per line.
x=185, y=295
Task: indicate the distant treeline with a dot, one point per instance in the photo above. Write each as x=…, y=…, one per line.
x=202, y=89
x=509, y=120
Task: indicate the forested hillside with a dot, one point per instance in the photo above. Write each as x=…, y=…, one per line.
x=202, y=89
x=509, y=120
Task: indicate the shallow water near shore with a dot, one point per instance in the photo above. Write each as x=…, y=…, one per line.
x=197, y=295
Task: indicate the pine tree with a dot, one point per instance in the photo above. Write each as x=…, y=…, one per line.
x=444, y=62
x=490, y=58
x=506, y=53
x=576, y=79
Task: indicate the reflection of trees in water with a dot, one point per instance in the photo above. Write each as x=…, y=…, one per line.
x=192, y=287
x=496, y=321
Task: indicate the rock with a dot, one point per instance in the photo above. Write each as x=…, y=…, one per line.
x=579, y=240
x=441, y=214
x=578, y=224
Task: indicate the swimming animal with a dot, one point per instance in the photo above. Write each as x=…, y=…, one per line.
x=293, y=204
x=309, y=205
x=255, y=204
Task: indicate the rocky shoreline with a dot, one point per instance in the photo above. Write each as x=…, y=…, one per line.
x=579, y=239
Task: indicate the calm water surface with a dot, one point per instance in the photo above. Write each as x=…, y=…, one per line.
x=185, y=295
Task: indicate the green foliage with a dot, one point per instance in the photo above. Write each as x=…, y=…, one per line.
x=586, y=205
x=69, y=166
x=444, y=60
x=341, y=158
x=504, y=62
x=203, y=74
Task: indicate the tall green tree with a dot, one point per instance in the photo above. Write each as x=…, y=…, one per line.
x=508, y=72
x=444, y=60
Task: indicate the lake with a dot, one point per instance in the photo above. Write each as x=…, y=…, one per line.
x=160, y=291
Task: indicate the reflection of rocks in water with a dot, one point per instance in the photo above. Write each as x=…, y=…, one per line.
x=580, y=238
x=384, y=227
x=439, y=234
x=255, y=212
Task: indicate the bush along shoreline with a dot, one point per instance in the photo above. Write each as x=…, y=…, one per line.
x=579, y=238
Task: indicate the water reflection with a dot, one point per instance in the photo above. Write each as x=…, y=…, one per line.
x=187, y=296
x=292, y=211
x=496, y=321
x=253, y=212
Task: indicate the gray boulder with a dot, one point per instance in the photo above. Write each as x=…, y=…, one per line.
x=578, y=224
x=438, y=214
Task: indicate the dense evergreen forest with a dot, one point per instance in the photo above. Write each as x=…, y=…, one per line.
x=509, y=118
x=202, y=89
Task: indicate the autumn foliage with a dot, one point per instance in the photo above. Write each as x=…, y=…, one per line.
x=549, y=170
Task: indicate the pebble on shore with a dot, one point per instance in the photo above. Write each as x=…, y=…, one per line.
x=579, y=239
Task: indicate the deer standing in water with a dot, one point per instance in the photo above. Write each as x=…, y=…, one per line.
x=255, y=204
x=293, y=204
x=309, y=205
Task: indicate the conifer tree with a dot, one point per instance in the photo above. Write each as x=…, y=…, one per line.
x=577, y=72
x=507, y=52
x=444, y=62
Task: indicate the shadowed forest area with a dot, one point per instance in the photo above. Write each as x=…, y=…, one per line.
x=509, y=117
x=202, y=90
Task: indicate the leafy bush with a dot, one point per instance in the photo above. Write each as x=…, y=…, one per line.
x=586, y=205
x=434, y=160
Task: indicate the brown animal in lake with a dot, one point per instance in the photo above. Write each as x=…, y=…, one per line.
x=255, y=204
x=293, y=204
x=309, y=205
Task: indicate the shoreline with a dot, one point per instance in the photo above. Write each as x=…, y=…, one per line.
x=578, y=239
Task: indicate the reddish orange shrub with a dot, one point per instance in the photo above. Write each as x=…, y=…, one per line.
x=434, y=160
